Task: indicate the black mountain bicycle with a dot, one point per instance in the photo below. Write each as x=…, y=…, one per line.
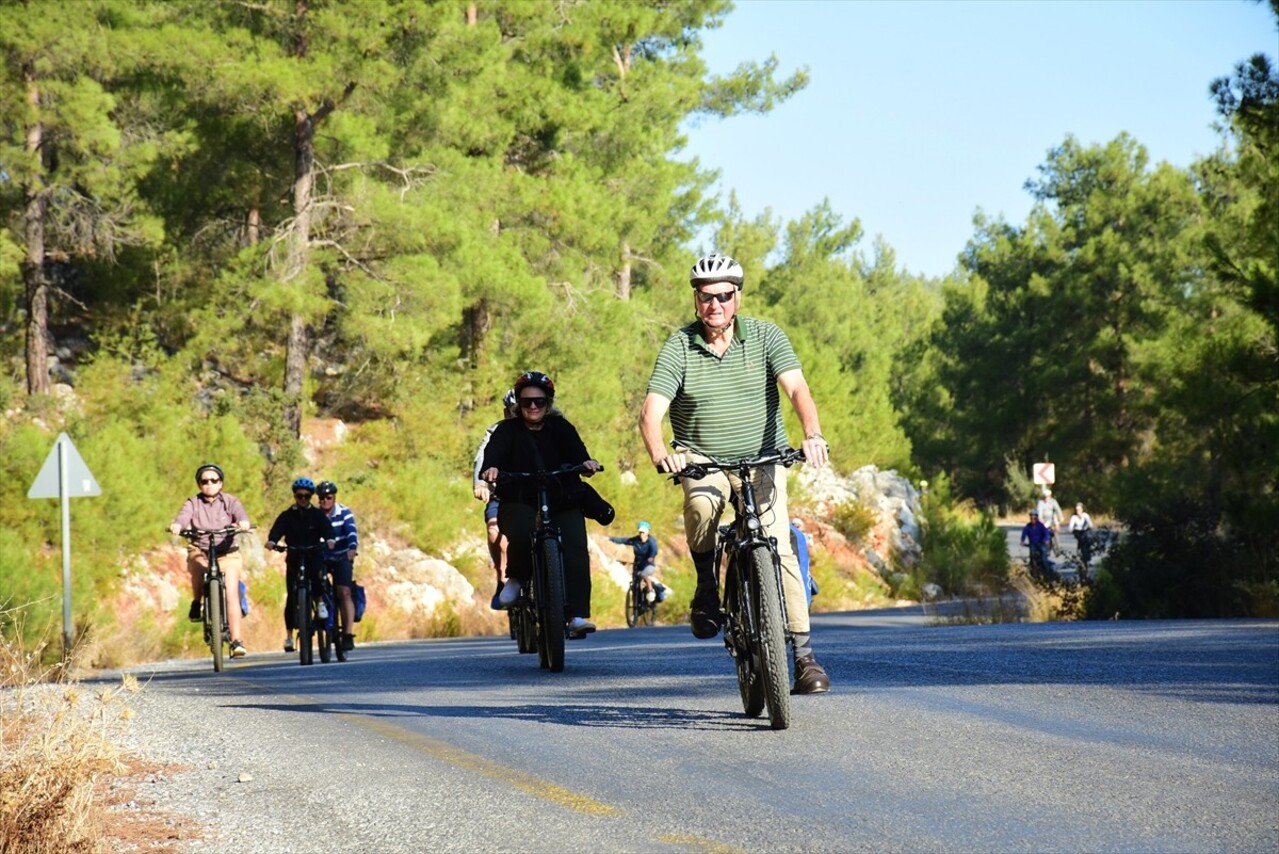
x=748, y=574
x=638, y=608
x=538, y=616
x=217, y=631
x=306, y=603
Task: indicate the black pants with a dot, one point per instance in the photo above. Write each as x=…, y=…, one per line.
x=516, y=521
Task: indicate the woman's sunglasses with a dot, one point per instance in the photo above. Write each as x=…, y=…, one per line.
x=532, y=402
x=724, y=297
x=303, y=495
x=206, y=481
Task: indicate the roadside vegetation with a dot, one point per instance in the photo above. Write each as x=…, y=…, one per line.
x=222, y=219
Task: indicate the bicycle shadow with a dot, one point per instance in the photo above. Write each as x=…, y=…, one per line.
x=571, y=715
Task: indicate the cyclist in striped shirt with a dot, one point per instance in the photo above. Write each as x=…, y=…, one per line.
x=340, y=548
x=721, y=379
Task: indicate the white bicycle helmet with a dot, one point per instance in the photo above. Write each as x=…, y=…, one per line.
x=716, y=268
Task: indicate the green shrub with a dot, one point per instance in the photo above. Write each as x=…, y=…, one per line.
x=854, y=519
x=964, y=551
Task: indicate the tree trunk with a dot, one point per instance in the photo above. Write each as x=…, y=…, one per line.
x=37, y=288
x=299, y=256
x=472, y=14
x=477, y=320
x=624, y=272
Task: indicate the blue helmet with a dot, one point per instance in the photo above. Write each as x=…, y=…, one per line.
x=304, y=483
x=644, y=526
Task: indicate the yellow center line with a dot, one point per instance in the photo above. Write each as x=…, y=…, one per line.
x=699, y=843
x=468, y=761
x=445, y=752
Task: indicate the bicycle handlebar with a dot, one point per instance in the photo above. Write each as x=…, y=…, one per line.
x=579, y=468
x=786, y=457
x=193, y=533
x=288, y=548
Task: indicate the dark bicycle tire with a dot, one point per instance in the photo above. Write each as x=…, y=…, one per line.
x=649, y=613
x=304, y=625
x=513, y=624
x=750, y=683
x=213, y=613
x=632, y=609
x=551, y=603
x=324, y=640
x=771, y=625
x=526, y=627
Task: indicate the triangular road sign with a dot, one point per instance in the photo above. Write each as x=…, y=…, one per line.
x=80, y=482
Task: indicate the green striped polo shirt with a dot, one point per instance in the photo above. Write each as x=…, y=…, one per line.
x=727, y=406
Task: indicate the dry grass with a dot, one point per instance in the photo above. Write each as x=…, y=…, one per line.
x=66, y=784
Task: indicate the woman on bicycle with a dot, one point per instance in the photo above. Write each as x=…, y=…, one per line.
x=540, y=438
x=210, y=510
x=302, y=524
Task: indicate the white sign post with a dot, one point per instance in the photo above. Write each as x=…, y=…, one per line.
x=65, y=476
x=1044, y=474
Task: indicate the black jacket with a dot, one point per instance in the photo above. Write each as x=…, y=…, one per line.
x=510, y=449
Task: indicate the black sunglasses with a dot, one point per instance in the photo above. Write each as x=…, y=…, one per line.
x=210, y=480
x=724, y=297
x=306, y=495
x=327, y=497
x=533, y=402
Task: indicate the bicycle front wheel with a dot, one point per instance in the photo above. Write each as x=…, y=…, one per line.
x=632, y=607
x=304, y=625
x=737, y=631
x=770, y=627
x=551, y=606
x=215, y=618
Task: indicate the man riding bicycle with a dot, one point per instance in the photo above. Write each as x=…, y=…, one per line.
x=340, y=548
x=721, y=379
x=645, y=565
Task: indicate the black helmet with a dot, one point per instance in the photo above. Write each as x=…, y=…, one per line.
x=208, y=467
x=536, y=378
x=326, y=487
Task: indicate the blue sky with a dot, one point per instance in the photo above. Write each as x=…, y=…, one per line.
x=919, y=112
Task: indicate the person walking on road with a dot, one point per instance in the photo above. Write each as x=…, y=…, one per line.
x=1050, y=513
x=1081, y=526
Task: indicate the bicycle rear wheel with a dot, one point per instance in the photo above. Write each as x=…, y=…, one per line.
x=215, y=618
x=648, y=612
x=550, y=601
x=771, y=626
x=324, y=640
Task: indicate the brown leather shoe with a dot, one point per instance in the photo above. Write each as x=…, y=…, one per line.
x=705, y=614
x=810, y=677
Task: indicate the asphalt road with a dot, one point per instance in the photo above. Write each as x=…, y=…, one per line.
x=1118, y=736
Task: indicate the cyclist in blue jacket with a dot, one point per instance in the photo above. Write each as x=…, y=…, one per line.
x=645, y=565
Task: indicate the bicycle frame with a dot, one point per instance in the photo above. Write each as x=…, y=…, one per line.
x=305, y=619
x=214, y=605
